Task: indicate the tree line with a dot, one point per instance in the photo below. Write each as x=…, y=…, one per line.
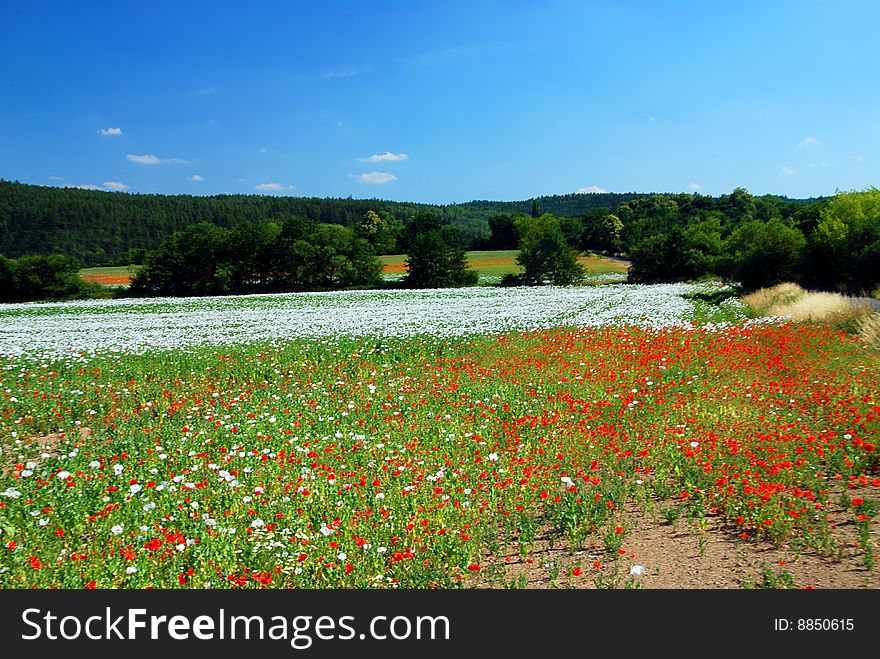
x=118, y=228
x=302, y=255
x=833, y=244
x=45, y=277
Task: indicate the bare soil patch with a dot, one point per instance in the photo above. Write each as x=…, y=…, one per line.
x=679, y=555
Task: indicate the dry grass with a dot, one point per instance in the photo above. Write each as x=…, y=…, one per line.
x=869, y=329
x=791, y=301
x=765, y=298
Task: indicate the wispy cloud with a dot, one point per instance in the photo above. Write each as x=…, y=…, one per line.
x=109, y=186
x=788, y=171
x=859, y=158
x=143, y=160
x=347, y=72
x=110, y=132
x=374, y=177
x=272, y=187
x=197, y=178
x=591, y=189
x=153, y=160
x=56, y=178
x=383, y=157
x=810, y=141
x=694, y=187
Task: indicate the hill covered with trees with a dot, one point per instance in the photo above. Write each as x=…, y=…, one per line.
x=107, y=228
x=316, y=244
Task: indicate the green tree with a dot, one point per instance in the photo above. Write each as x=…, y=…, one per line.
x=249, y=255
x=611, y=232
x=381, y=230
x=760, y=254
x=8, y=286
x=846, y=241
x=658, y=258
x=189, y=262
x=436, y=256
x=545, y=256
x=44, y=277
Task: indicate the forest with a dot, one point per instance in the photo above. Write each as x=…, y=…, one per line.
x=234, y=244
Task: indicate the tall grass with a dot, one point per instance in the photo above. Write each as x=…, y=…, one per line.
x=854, y=315
x=869, y=329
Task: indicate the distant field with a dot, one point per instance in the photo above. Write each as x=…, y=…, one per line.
x=489, y=264
x=502, y=262
x=110, y=276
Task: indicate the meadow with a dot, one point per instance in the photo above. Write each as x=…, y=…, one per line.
x=596, y=436
x=117, y=275
x=491, y=266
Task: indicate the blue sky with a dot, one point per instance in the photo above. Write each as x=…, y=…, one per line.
x=441, y=101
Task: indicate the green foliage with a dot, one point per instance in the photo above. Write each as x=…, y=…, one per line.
x=502, y=232
x=658, y=258
x=299, y=255
x=762, y=254
x=846, y=241
x=382, y=230
x=436, y=255
x=105, y=228
x=669, y=236
x=545, y=255
x=36, y=277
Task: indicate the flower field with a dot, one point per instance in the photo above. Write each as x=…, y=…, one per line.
x=424, y=439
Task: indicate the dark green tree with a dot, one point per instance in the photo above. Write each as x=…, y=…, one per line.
x=658, y=258
x=760, y=254
x=189, y=262
x=845, y=245
x=381, y=230
x=436, y=256
x=545, y=256
x=44, y=277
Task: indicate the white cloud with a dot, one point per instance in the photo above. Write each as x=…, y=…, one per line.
x=86, y=186
x=695, y=186
x=788, y=171
x=115, y=185
x=143, y=160
x=652, y=118
x=272, y=187
x=591, y=189
x=56, y=178
x=153, y=160
x=859, y=158
x=197, y=178
x=810, y=141
x=110, y=132
x=374, y=177
x=382, y=157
